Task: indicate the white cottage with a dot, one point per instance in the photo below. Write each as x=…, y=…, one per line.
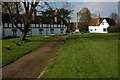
x=100, y=25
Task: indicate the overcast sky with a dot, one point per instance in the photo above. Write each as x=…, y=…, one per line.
x=102, y=8
x=92, y=0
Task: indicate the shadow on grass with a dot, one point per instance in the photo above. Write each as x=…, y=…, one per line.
x=40, y=40
x=58, y=41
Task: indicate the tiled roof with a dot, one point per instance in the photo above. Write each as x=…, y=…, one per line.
x=96, y=21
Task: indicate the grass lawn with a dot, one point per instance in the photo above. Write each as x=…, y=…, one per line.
x=86, y=56
x=13, y=49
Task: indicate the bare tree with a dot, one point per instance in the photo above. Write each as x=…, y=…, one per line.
x=25, y=18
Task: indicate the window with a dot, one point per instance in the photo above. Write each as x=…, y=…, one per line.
x=28, y=33
x=52, y=31
x=37, y=25
x=61, y=30
x=90, y=29
x=10, y=25
x=104, y=29
x=59, y=25
x=6, y=25
x=32, y=25
x=14, y=30
x=102, y=23
x=64, y=26
x=40, y=31
x=52, y=25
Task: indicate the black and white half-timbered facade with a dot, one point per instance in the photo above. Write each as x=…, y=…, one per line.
x=35, y=29
x=8, y=29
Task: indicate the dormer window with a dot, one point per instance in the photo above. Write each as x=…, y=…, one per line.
x=102, y=23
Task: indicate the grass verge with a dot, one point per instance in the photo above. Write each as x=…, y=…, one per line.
x=86, y=56
x=13, y=49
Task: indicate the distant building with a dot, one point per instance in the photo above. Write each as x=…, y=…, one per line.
x=37, y=26
x=100, y=25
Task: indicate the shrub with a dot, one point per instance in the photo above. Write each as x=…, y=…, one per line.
x=7, y=47
x=83, y=27
x=46, y=37
x=114, y=29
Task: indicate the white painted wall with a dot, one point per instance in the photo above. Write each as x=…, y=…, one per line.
x=99, y=29
x=34, y=31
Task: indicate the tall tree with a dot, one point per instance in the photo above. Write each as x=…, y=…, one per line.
x=25, y=18
x=63, y=9
x=65, y=13
x=61, y=14
x=84, y=17
x=47, y=15
x=114, y=16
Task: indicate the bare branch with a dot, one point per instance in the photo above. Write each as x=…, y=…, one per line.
x=16, y=3
x=17, y=10
x=33, y=7
x=11, y=17
x=25, y=6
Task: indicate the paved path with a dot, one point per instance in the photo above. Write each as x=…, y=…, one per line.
x=32, y=64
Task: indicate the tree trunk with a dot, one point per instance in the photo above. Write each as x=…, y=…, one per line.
x=25, y=31
x=23, y=36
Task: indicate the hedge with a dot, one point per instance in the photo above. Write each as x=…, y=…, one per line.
x=114, y=29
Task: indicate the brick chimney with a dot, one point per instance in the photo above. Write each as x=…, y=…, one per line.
x=55, y=18
x=34, y=14
x=99, y=20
